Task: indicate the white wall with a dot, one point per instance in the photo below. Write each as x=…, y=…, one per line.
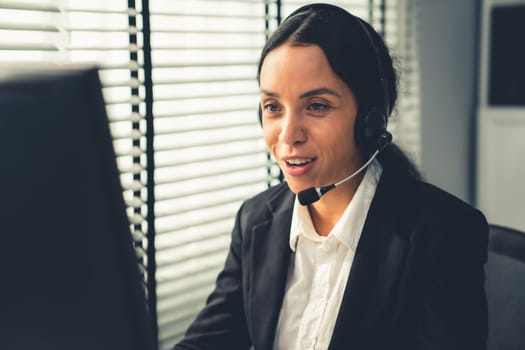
x=448, y=64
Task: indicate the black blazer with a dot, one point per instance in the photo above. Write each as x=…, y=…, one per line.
x=417, y=279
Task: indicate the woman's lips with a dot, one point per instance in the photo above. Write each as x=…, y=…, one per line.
x=298, y=166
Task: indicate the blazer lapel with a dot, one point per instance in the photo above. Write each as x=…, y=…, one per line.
x=376, y=267
x=271, y=258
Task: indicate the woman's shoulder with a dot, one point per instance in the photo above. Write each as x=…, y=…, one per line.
x=437, y=198
x=263, y=205
x=417, y=200
x=436, y=208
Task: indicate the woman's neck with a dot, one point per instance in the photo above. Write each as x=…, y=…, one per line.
x=328, y=210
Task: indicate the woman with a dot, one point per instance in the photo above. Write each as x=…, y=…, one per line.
x=352, y=251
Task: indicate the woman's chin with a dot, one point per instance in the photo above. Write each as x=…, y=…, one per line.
x=296, y=188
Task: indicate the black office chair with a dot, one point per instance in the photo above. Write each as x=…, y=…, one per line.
x=505, y=287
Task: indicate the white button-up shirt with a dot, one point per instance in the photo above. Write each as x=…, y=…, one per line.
x=319, y=271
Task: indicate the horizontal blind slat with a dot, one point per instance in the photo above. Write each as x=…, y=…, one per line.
x=209, y=96
x=208, y=49
x=174, y=13
x=161, y=30
x=114, y=64
x=134, y=202
x=134, y=117
x=204, y=64
x=34, y=46
x=36, y=27
x=30, y=6
x=107, y=47
x=129, y=30
x=132, y=152
x=202, y=80
x=135, y=83
x=102, y=10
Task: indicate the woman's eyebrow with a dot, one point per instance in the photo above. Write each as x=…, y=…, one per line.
x=320, y=91
x=269, y=93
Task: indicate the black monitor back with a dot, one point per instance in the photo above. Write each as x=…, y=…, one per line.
x=69, y=275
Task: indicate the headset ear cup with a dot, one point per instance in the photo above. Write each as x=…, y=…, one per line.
x=375, y=133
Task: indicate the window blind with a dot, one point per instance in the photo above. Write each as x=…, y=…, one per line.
x=30, y=31
x=92, y=33
x=401, y=28
x=209, y=151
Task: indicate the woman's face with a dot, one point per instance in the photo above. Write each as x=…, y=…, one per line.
x=308, y=117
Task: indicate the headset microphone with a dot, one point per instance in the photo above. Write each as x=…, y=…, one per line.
x=313, y=194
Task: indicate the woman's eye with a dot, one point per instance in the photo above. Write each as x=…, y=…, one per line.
x=271, y=107
x=318, y=107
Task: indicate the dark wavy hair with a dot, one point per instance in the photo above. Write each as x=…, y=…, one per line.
x=357, y=54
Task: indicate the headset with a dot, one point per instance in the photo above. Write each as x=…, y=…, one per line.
x=370, y=130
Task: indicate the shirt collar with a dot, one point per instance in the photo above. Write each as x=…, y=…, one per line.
x=348, y=228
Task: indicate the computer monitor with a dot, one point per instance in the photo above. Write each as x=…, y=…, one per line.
x=69, y=275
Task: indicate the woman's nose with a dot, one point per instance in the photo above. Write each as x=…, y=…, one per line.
x=292, y=129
